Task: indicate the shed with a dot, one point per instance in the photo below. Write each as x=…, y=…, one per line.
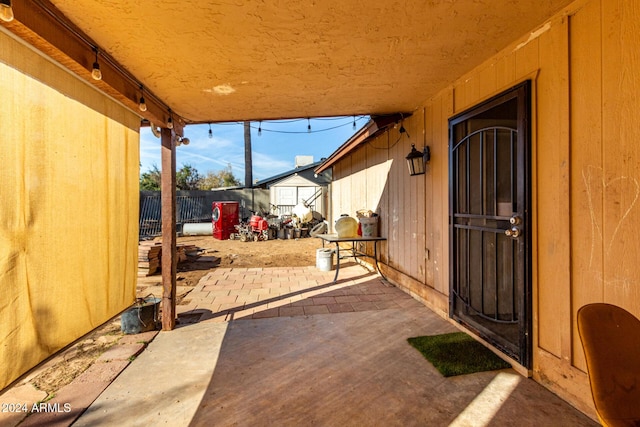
x=299, y=185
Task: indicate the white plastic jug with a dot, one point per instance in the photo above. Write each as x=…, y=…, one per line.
x=346, y=226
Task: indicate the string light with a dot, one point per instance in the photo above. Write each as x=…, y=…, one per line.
x=6, y=14
x=354, y=122
x=346, y=121
x=210, y=132
x=308, y=125
x=170, y=121
x=6, y=11
x=142, y=105
x=95, y=72
x=403, y=130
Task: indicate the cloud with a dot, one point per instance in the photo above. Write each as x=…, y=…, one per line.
x=272, y=153
x=203, y=153
x=265, y=165
x=213, y=154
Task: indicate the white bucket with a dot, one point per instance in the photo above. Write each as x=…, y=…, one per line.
x=369, y=226
x=324, y=259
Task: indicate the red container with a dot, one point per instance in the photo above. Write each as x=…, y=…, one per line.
x=224, y=217
x=258, y=223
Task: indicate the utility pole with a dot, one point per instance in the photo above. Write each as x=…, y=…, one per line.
x=248, y=174
x=248, y=164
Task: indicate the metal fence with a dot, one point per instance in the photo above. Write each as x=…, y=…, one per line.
x=189, y=209
x=194, y=207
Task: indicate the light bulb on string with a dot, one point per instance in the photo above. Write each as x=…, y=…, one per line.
x=170, y=120
x=354, y=122
x=210, y=132
x=95, y=72
x=142, y=105
x=308, y=125
x=6, y=11
x=403, y=130
x=260, y=129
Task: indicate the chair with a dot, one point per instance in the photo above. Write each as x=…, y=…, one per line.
x=611, y=341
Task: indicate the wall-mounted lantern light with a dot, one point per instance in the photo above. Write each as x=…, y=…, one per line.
x=416, y=160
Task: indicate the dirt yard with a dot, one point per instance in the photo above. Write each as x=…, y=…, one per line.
x=211, y=254
x=268, y=253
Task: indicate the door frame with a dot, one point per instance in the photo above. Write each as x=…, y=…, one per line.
x=522, y=92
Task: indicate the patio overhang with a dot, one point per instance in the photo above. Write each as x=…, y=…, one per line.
x=209, y=61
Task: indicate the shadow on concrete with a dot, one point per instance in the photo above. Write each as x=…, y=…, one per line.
x=349, y=369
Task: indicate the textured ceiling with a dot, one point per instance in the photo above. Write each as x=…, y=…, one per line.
x=226, y=60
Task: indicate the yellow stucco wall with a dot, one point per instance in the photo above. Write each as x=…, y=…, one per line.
x=585, y=181
x=68, y=208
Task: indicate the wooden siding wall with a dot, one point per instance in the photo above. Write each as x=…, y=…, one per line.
x=585, y=181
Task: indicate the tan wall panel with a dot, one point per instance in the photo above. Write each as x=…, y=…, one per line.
x=334, y=195
x=505, y=71
x=68, y=222
x=552, y=203
x=444, y=111
x=358, y=183
x=406, y=250
x=587, y=177
x=458, y=96
x=414, y=203
x=437, y=114
x=487, y=79
x=377, y=175
x=342, y=187
x=621, y=162
x=471, y=92
x=396, y=230
x=433, y=196
x=526, y=58
x=422, y=191
x=337, y=188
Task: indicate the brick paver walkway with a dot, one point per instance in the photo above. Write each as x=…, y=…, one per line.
x=307, y=351
x=234, y=293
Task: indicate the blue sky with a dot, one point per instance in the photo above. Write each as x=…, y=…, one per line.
x=273, y=151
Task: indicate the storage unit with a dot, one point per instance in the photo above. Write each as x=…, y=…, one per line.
x=224, y=217
x=295, y=189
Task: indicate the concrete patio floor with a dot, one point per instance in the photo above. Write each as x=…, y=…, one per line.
x=287, y=347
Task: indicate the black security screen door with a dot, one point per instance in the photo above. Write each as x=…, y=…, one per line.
x=490, y=225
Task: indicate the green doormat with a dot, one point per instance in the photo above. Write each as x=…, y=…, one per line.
x=457, y=354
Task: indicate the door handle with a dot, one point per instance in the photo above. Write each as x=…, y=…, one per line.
x=513, y=232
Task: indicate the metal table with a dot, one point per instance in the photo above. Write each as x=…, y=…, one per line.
x=333, y=238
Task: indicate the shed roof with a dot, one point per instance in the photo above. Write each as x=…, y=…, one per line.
x=306, y=170
x=294, y=181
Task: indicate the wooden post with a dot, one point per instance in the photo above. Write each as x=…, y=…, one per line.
x=169, y=259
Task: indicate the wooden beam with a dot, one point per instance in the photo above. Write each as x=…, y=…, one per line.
x=169, y=259
x=43, y=26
